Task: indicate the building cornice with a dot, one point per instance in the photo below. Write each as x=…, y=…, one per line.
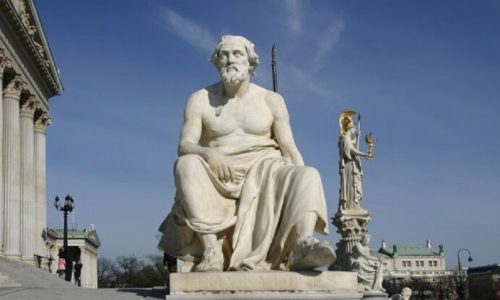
x=23, y=18
x=89, y=236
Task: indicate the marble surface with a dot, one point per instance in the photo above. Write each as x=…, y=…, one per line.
x=269, y=281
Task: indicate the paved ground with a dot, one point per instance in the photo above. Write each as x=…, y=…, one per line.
x=19, y=281
x=20, y=293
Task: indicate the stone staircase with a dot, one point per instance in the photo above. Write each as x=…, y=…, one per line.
x=6, y=282
x=19, y=274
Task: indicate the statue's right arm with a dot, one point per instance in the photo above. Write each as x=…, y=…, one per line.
x=350, y=149
x=190, y=139
x=192, y=127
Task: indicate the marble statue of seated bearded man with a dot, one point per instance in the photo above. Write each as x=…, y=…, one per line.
x=244, y=200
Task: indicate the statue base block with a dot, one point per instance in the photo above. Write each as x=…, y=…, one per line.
x=264, y=285
x=374, y=296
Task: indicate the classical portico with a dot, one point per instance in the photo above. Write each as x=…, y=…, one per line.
x=82, y=246
x=29, y=79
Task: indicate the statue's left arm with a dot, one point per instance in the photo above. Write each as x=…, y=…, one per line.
x=282, y=130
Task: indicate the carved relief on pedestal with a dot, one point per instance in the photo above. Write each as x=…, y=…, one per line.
x=351, y=225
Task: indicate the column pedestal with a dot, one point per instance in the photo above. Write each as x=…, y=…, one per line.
x=351, y=225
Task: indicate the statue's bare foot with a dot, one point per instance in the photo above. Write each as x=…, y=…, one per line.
x=310, y=253
x=212, y=261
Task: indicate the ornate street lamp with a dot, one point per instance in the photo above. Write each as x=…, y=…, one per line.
x=68, y=206
x=461, y=290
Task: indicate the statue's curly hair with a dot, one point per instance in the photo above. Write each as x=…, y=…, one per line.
x=253, y=58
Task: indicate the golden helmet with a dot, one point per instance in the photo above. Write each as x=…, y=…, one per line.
x=345, y=120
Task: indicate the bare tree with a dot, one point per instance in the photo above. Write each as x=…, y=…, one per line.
x=128, y=267
x=106, y=272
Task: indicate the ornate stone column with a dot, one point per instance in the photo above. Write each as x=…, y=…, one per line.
x=41, y=123
x=351, y=225
x=11, y=168
x=4, y=63
x=28, y=217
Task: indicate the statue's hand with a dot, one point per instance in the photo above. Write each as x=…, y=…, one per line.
x=219, y=163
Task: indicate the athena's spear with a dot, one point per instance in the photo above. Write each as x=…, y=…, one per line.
x=358, y=132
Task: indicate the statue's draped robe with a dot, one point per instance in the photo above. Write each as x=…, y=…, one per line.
x=351, y=174
x=259, y=208
x=369, y=271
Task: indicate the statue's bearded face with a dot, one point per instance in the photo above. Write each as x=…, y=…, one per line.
x=234, y=66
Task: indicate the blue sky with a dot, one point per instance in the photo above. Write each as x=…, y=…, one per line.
x=425, y=76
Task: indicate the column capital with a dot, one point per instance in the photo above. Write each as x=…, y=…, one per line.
x=28, y=107
x=4, y=62
x=42, y=122
x=15, y=86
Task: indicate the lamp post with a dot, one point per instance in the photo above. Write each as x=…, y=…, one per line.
x=461, y=290
x=67, y=206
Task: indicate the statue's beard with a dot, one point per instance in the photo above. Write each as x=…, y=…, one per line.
x=234, y=74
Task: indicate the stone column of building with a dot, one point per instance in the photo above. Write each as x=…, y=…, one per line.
x=93, y=273
x=85, y=259
x=11, y=167
x=40, y=129
x=89, y=271
x=28, y=217
x=4, y=63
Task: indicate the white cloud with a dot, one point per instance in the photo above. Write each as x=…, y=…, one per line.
x=302, y=79
x=327, y=41
x=188, y=30
x=302, y=84
x=294, y=20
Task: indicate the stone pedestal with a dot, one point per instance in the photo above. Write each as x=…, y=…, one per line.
x=351, y=225
x=374, y=296
x=264, y=285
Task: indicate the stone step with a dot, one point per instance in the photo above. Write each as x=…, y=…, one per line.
x=6, y=282
x=21, y=274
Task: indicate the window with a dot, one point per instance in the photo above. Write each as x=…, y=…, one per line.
x=430, y=263
x=404, y=263
x=408, y=263
x=435, y=263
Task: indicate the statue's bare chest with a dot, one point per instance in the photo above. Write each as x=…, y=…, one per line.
x=250, y=115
